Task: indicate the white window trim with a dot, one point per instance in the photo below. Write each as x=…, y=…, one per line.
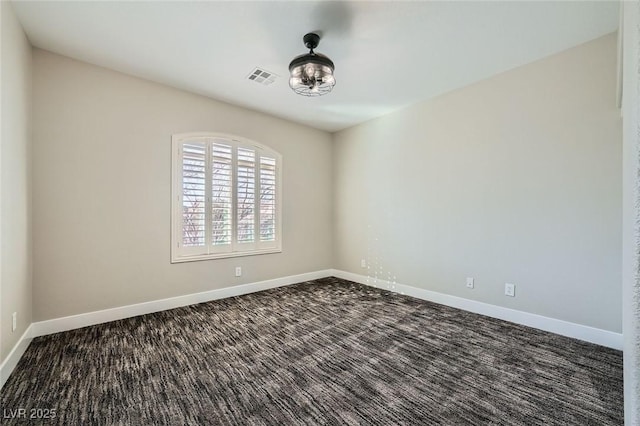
x=177, y=254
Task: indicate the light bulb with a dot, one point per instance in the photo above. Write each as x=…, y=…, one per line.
x=329, y=79
x=310, y=70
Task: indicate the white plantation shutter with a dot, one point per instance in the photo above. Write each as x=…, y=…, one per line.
x=267, y=199
x=226, y=198
x=193, y=195
x=221, y=194
x=246, y=195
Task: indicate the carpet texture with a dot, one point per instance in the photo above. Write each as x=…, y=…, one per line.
x=327, y=351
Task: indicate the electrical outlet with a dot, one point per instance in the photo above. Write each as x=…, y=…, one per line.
x=238, y=271
x=363, y=263
x=510, y=289
x=14, y=321
x=469, y=282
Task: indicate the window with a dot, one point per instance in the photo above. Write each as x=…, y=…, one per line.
x=226, y=198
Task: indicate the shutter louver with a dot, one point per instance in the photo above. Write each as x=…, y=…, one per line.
x=246, y=171
x=221, y=194
x=267, y=199
x=193, y=194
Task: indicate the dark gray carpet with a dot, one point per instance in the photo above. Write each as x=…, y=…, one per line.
x=323, y=352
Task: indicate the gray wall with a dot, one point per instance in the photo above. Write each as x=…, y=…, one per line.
x=514, y=179
x=15, y=181
x=102, y=162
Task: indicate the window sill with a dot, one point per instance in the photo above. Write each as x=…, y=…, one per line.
x=195, y=258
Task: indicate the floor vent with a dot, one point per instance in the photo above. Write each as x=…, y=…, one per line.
x=263, y=77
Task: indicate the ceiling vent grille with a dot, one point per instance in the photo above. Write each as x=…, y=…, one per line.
x=262, y=76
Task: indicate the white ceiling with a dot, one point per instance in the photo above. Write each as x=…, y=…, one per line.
x=387, y=54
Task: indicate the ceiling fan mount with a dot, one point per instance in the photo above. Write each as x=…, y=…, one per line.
x=311, y=40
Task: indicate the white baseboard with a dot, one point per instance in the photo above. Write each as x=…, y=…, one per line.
x=564, y=328
x=14, y=356
x=57, y=325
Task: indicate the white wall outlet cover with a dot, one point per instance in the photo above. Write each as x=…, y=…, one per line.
x=14, y=321
x=470, y=282
x=510, y=289
x=238, y=271
x=363, y=263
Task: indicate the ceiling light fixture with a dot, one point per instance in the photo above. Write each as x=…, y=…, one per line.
x=311, y=73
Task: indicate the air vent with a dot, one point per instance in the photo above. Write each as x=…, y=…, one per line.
x=262, y=76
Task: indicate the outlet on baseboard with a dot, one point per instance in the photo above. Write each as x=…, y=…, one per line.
x=14, y=321
x=509, y=289
x=238, y=271
x=470, y=282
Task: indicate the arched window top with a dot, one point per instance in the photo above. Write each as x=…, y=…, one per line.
x=231, y=139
